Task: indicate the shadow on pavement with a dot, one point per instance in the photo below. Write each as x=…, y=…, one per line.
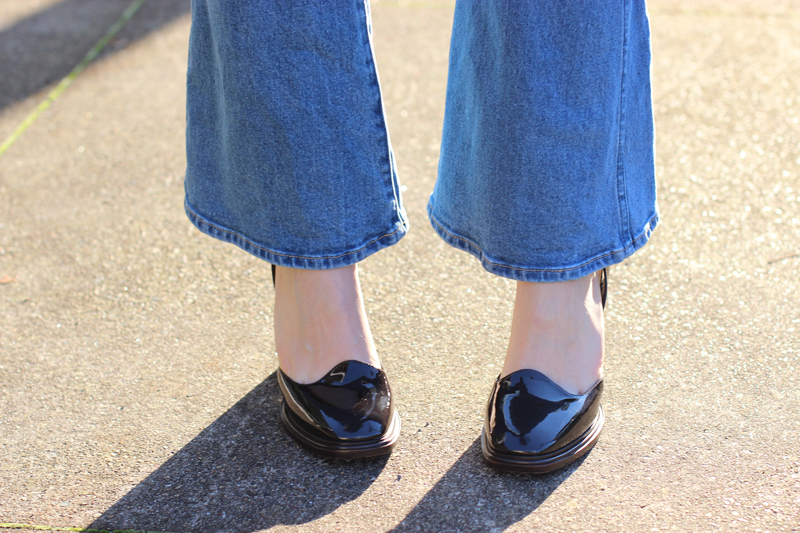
x=473, y=497
x=43, y=48
x=243, y=473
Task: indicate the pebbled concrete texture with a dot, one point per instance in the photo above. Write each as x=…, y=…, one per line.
x=137, y=386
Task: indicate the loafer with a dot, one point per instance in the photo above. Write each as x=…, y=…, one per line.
x=346, y=414
x=533, y=425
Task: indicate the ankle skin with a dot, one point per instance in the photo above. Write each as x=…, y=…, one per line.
x=320, y=321
x=557, y=329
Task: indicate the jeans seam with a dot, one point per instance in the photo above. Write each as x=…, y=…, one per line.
x=202, y=220
x=647, y=231
x=372, y=65
x=621, y=181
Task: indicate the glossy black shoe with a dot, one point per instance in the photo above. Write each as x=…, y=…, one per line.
x=533, y=425
x=347, y=414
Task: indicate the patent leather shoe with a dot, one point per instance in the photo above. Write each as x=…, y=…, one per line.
x=533, y=425
x=347, y=414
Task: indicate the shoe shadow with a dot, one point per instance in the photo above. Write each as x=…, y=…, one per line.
x=243, y=473
x=474, y=497
x=41, y=49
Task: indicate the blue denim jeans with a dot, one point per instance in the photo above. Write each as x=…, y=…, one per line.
x=546, y=170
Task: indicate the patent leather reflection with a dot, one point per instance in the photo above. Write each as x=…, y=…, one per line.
x=351, y=402
x=533, y=425
x=530, y=414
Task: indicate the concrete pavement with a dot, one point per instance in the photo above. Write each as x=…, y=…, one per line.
x=137, y=386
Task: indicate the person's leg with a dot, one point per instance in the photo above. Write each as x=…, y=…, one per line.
x=546, y=171
x=320, y=321
x=557, y=329
x=288, y=157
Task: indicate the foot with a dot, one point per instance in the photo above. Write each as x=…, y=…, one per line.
x=320, y=321
x=557, y=329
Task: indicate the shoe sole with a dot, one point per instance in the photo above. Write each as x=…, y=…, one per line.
x=543, y=463
x=342, y=449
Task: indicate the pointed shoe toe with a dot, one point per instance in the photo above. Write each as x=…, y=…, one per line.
x=533, y=425
x=347, y=414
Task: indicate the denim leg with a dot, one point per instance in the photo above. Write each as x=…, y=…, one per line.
x=547, y=169
x=287, y=148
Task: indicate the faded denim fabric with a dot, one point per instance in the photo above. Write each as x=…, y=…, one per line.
x=287, y=148
x=546, y=170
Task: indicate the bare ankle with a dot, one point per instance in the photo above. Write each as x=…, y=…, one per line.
x=557, y=329
x=320, y=321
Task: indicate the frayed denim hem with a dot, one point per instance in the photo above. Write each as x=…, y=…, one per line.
x=543, y=275
x=343, y=259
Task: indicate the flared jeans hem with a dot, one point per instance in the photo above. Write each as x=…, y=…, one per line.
x=539, y=274
x=546, y=169
x=343, y=258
